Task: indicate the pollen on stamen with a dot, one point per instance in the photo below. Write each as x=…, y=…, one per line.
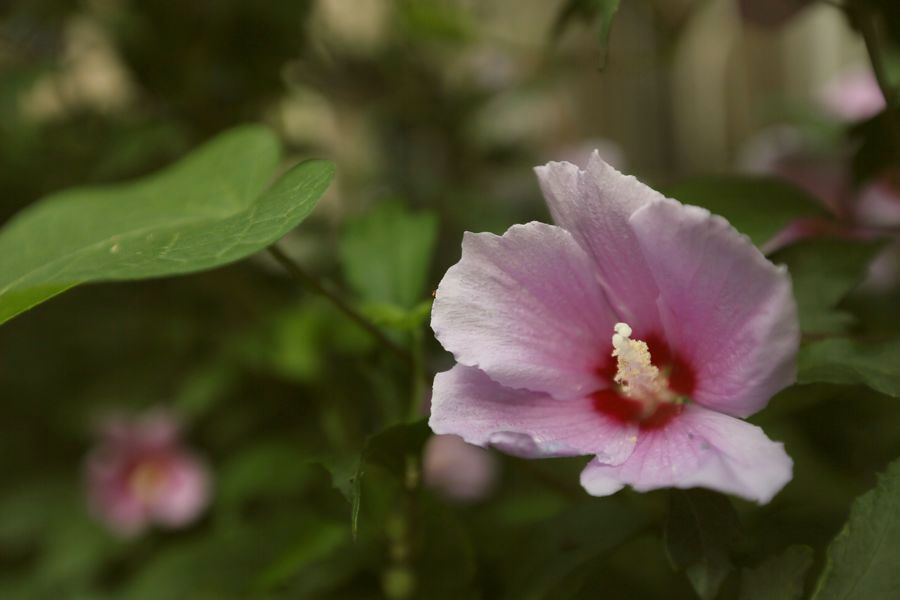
x=638, y=377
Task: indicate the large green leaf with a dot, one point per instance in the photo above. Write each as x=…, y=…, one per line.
x=778, y=578
x=205, y=211
x=863, y=559
x=849, y=362
x=824, y=271
x=700, y=529
x=759, y=207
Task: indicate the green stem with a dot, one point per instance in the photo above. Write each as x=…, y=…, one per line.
x=311, y=282
x=418, y=376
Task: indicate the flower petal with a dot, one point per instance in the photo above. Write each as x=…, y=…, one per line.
x=468, y=403
x=527, y=309
x=726, y=310
x=594, y=205
x=186, y=493
x=700, y=448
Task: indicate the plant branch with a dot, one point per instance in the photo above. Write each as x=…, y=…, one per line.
x=298, y=273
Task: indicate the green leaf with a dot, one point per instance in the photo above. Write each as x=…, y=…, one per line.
x=562, y=547
x=299, y=341
x=395, y=449
x=824, y=271
x=700, y=529
x=758, y=207
x=316, y=542
x=848, y=362
x=386, y=254
x=273, y=468
x=203, y=212
x=778, y=578
x=230, y=562
x=862, y=560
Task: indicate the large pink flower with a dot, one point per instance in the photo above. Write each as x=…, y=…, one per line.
x=637, y=330
x=140, y=474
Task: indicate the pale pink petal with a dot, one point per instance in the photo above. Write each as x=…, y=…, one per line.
x=139, y=474
x=466, y=402
x=727, y=311
x=156, y=428
x=185, y=493
x=458, y=470
x=594, y=205
x=527, y=309
x=699, y=448
x=109, y=497
x=854, y=95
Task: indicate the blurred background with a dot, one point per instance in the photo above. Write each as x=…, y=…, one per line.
x=434, y=112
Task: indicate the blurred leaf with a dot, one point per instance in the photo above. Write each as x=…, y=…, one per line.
x=316, y=542
x=700, y=529
x=392, y=449
x=758, y=207
x=779, y=577
x=599, y=11
x=824, y=271
x=433, y=20
x=228, y=563
x=203, y=212
x=271, y=468
x=562, y=546
x=862, y=560
x=52, y=517
x=24, y=510
x=386, y=254
x=393, y=317
x=445, y=559
x=300, y=340
x=203, y=388
x=843, y=361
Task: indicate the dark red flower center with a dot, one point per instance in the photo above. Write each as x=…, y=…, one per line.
x=619, y=407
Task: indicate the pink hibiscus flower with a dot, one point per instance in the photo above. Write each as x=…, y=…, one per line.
x=638, y=330
x=140, y=474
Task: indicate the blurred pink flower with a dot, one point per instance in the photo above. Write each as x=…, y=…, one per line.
x=139, y=474
x=637, y=330
x=458, y=470
x=853, y=95
x=857, y=213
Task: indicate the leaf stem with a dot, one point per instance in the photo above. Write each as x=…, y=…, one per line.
x=298, y=273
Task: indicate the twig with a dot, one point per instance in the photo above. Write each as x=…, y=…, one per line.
x=311, y=282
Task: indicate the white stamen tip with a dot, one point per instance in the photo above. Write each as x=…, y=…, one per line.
x=621, y=335
x=638, y=377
